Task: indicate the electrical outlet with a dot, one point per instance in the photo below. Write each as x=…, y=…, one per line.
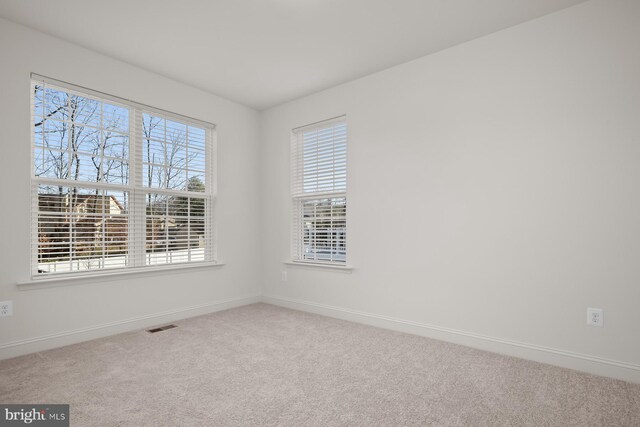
x=6, y=308
x=284, y=276
x=595, y=317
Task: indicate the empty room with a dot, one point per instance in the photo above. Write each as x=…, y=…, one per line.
x=320, y=213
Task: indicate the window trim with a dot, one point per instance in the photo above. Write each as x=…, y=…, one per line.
x=319, y=265
x=298, y=196
x=135, y=239
x=116, y=274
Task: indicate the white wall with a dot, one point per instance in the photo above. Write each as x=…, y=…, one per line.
x=52, y=312
x=493, y=193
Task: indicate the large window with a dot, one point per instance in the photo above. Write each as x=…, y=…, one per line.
x=115, y=184
x=319, y=192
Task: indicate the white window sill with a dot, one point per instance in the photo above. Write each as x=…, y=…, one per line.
x=79, y=278
x=320, y=265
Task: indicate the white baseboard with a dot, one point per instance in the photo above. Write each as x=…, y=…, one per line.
x=46, y=342
x=566, y=359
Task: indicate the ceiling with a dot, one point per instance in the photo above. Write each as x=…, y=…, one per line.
x=264, y=52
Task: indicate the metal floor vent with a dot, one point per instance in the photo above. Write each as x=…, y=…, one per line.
x=161, y=328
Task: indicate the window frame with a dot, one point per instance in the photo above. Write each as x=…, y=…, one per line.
x=137, y=210
x=299, y=196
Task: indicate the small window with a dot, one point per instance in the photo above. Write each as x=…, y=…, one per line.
x=116, y=185
x=319, y=192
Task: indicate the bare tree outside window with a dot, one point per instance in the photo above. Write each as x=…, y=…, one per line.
x=173, y=159
x=81, y=162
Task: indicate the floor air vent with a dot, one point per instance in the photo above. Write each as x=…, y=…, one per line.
x=161, y=328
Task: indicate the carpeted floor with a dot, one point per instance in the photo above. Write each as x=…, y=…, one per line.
x=266, y=365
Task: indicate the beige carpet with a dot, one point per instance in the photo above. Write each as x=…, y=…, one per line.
x=265, y=365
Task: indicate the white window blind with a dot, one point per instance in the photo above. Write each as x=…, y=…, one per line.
x=319, y=192
x=116, y=184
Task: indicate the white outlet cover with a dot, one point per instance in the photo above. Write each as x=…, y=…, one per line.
x=595, y=317
x=6, y=308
